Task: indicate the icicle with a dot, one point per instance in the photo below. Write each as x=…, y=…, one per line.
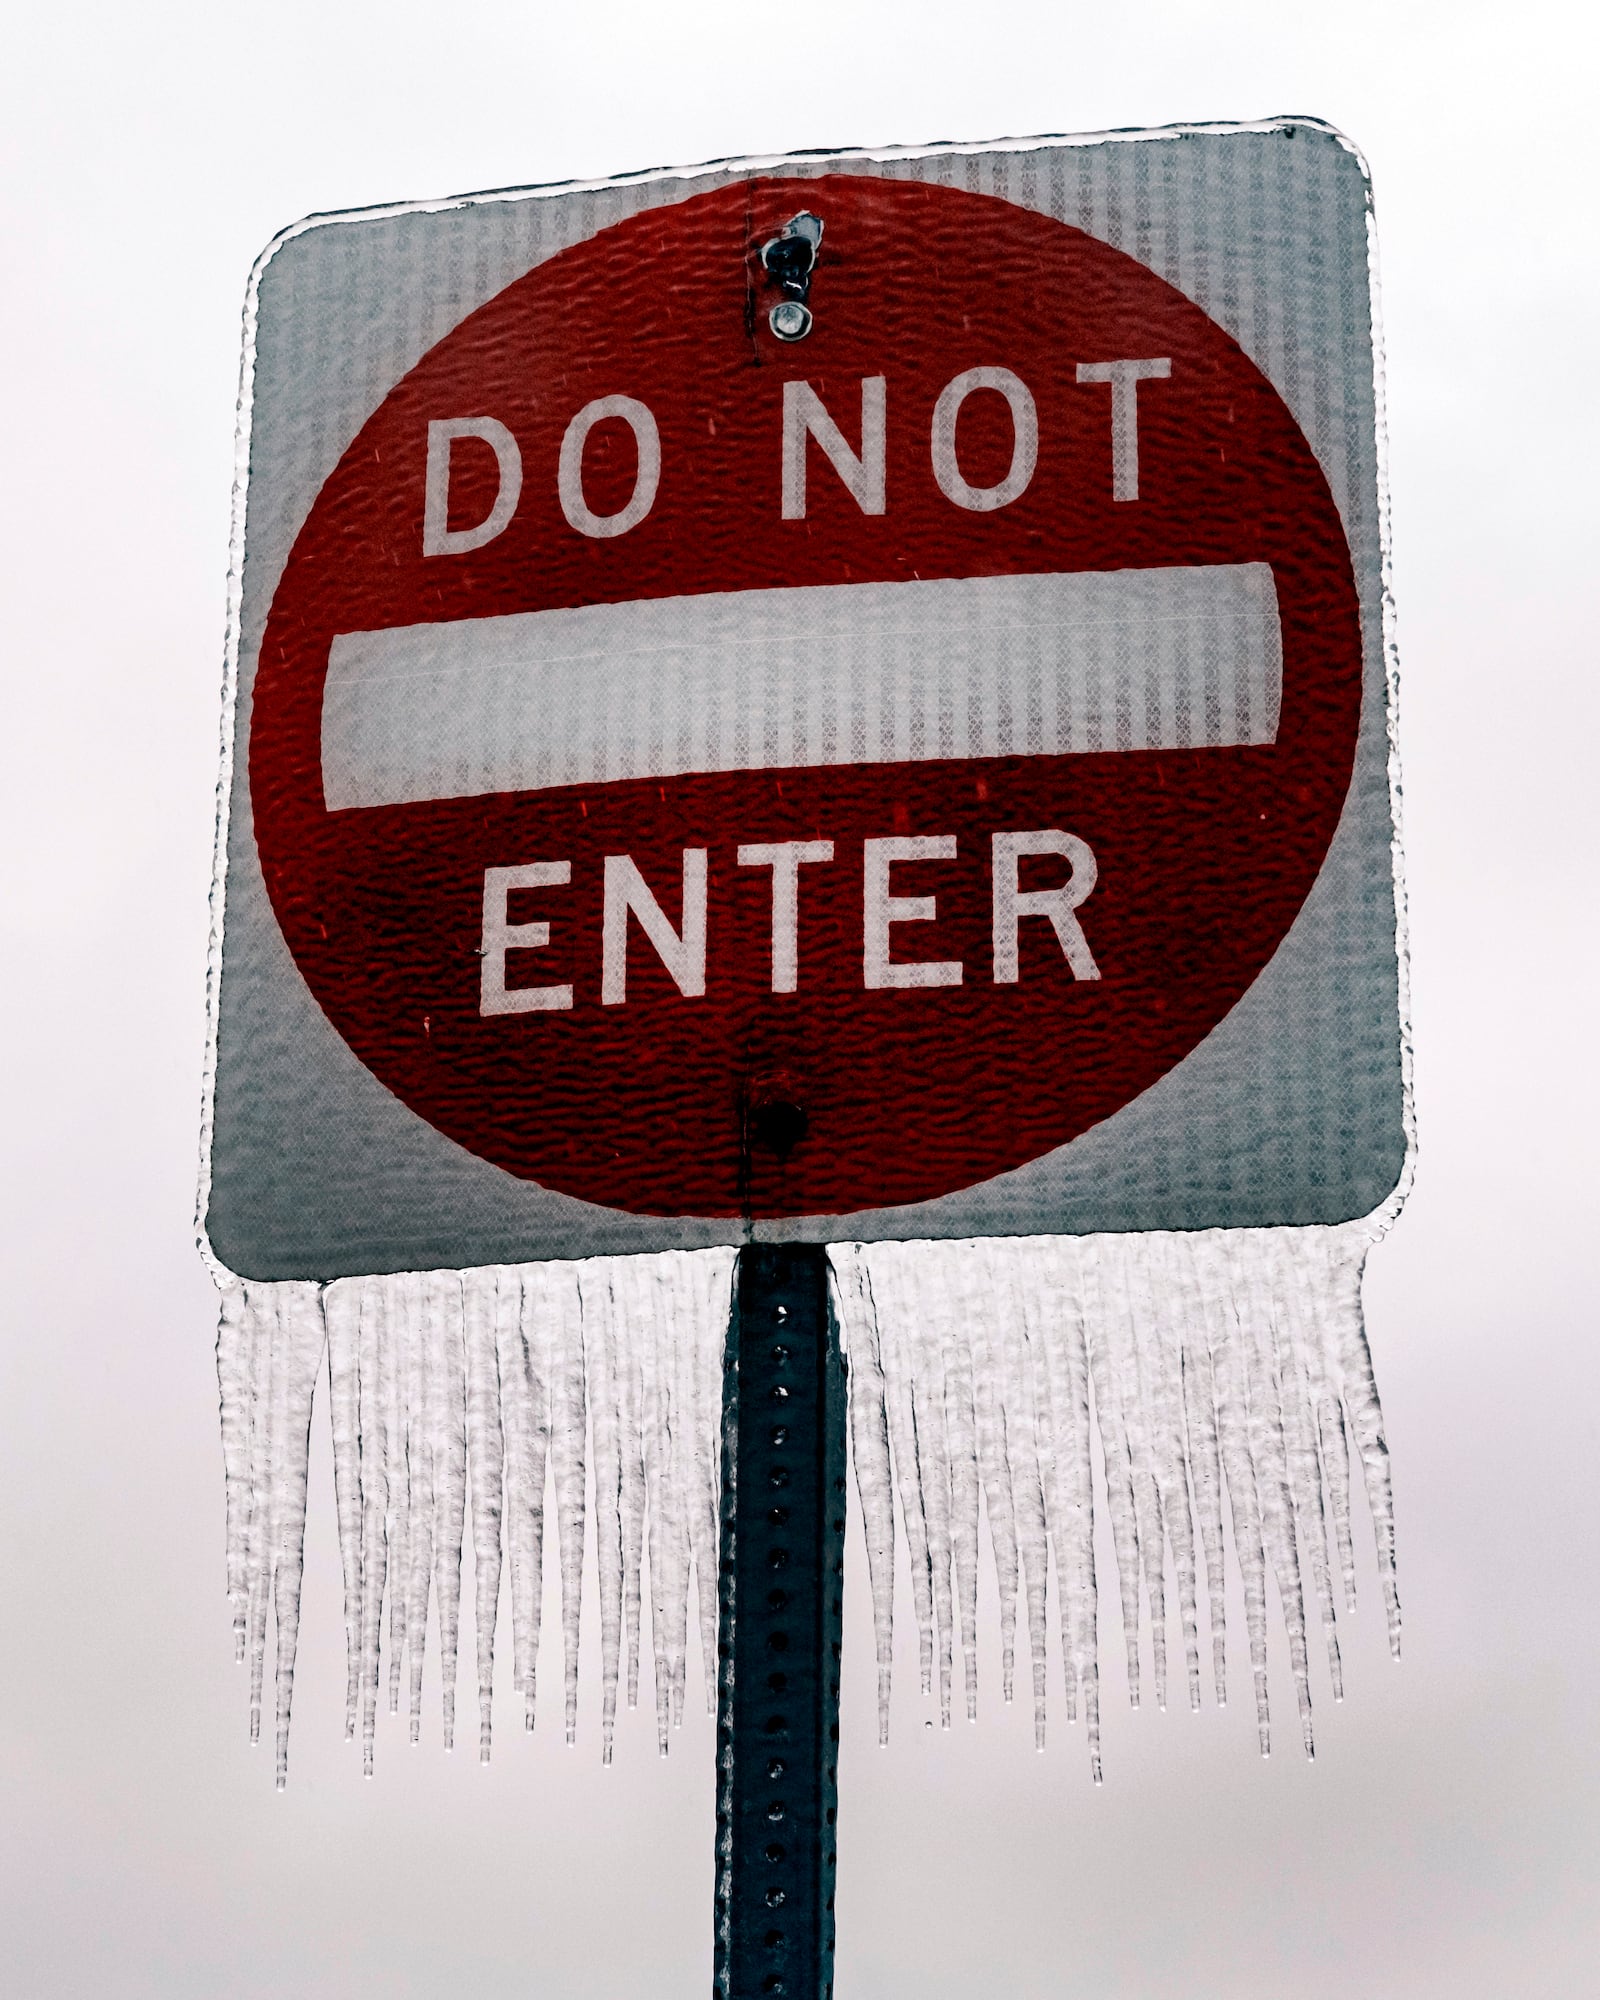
x=1078, y=1500
x=1294, y=1343
x=1252, y=1307
x=961, y=1442
x=421, y=1431
x=605, y=1418
x=682, y=1456
x=561, y=1359
x=869, y=1452
x=1345, y=1340
x=399, y=1382
x=710, y=1307
x=1160, y=1372
x=928, y=1408
x=628, y=1382
x=1123, y=1268
x=449, y=1445
x=1101, y=1314
x=342, y=1312
x=1317, y=1298
x=373, y=1404
x=1016, y=1329
x=1238, y=1465
x=989, y=1318
x=893, y=1319
x=270, y=1351
x=662, y=1311
x=1214, y=1364
x=527, y=1431
x=701, y=1297
x=302, y=1325
x=236, y=1337
x=450, y=1395
x=1200, y=1444
x=266, y=1363
x=485, y=1473
x=665, y=1525
x=1054, y=1320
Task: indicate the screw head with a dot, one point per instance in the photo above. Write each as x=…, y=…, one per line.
x=790, y=320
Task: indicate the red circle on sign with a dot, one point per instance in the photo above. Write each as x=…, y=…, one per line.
x=1203, y=855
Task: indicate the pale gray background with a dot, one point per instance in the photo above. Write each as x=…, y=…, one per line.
x=1445, y=1842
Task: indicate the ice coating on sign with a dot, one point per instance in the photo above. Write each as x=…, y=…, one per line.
x=1212, y=1365
x=1167, y=668
x=1223, y=1374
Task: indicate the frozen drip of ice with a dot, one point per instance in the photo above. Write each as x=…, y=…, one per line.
x=480, y=1402
x=269, y=1353
x=1200, y=1387
x=1225, y=1376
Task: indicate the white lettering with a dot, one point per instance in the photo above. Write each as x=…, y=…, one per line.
x=499, y=937
x=438, y=537
x=1024, y=440
x=1012, y=903
x=880, y=910
x=684, y=957
x=569, y=474
x=785, y=858
x=1124, y=377
x=804, y=416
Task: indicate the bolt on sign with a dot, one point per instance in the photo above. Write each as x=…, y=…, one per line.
x=819, y=701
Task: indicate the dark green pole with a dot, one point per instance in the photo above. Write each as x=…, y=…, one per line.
x=782, y=1588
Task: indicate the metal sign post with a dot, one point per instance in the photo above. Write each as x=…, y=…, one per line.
x=782, y=1585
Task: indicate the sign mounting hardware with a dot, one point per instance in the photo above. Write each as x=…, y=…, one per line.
x=789, y=258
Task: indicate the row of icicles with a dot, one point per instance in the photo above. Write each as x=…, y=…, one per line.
x=1222, y=1374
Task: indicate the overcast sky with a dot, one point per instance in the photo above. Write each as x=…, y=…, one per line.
x=1445, y=1842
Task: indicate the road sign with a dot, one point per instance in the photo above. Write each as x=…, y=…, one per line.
x=917, y=772
x=820, y=701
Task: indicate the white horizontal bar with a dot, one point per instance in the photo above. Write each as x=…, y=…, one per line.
x=855, y=673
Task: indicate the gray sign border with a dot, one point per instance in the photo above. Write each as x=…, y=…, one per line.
x=311, y=1168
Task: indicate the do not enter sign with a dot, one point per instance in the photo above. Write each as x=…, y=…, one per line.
x=713, y=774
